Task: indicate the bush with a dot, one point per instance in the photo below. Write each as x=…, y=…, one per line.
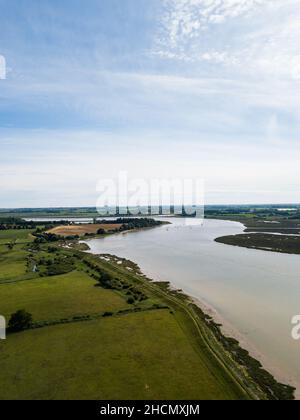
x=20, y=321
x=130, y=301
x=106, y=280
x=51, y=249
x=107, y=314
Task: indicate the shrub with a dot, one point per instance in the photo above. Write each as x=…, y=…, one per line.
x=106, y=280
x=107, y=314
x=20, y=321
x=130, y=301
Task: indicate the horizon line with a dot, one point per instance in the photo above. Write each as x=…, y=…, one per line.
x=164, y=205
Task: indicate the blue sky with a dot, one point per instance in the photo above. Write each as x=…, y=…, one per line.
x=160, y=88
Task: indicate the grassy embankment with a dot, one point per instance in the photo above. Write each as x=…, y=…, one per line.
x=133, y=339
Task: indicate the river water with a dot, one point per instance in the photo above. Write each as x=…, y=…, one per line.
x=256, y=292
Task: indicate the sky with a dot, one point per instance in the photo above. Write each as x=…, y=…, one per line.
x=205, y=89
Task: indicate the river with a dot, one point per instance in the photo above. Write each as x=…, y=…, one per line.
x=255, y=293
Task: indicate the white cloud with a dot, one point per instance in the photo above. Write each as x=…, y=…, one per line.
x=253, y=37
x=188, y=19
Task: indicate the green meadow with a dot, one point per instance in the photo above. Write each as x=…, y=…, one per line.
x=19, y=235
x=142, y=356
x=12, y=263
x=58, y=297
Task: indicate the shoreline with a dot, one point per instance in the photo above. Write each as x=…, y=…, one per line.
x=231, y=332
x=228, y=330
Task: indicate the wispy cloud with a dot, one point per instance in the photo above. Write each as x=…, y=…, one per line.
x=186, y=22
x=253, y=37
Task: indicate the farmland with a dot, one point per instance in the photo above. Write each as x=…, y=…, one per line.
x=57, y=297
x=15, y=235
x=82, y=230
x=142, y=356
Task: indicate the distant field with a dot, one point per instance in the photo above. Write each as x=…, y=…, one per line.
x=19, y=235
x=82, y=229
x=138, y=356
x=49, y=298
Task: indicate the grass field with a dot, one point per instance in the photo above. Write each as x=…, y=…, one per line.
x=82, y=230
x=139, y=356
x=58, y=297
x=12, y=263
x=18, y=235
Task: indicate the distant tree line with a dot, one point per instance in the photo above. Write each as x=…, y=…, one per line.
x=15, y=223
x=132, y=223
x=44, y=237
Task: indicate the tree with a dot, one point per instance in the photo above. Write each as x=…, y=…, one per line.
x=20, y=321
x=101, y=231
x=106, y=280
